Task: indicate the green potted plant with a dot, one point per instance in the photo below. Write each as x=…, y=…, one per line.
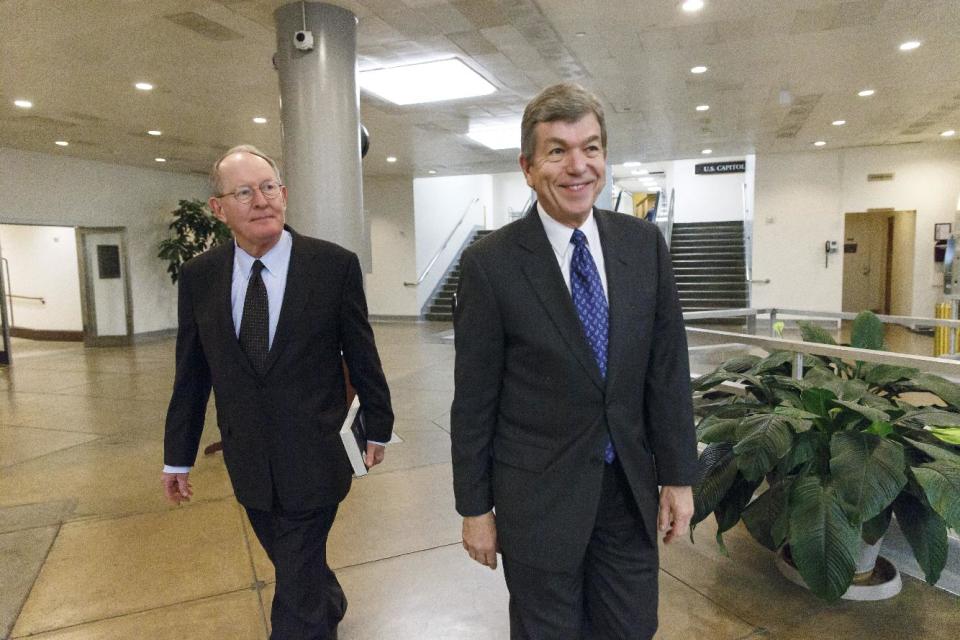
x=834, y=456
x=194, y=231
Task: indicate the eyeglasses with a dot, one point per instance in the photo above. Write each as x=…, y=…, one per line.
x=270, y=190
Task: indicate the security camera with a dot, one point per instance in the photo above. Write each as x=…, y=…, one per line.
x=303, y=40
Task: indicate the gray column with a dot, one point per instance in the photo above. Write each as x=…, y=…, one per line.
x=319, y=110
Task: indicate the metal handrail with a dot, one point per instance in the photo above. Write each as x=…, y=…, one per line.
x=444, y=246
x=924, y=363
x=41, y=300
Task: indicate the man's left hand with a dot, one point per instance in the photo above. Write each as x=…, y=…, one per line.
x=374, y=455
x=676, y=509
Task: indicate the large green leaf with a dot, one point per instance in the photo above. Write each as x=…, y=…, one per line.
x=871, y=414
x=823, y=543
x=867, y=472
x=740, y=364
x=730, y=509
x=766, y=517
x=940, y=480
x=883, y=374
x=764, y=439
x=818, y=400
x=715, y=429
x=814, y=333
x=950, y=435
x=934, y=451
x=930, y=417
x=716, y=472
x=772, y=362
x=948, y=391
x=876, y=527
x=926, y=532
x=867, y=332
x=803, y=450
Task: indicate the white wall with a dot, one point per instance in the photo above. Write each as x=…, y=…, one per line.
x=510, y=191
x=43, y=189
x=43, y=264
x=801, y=200
x=706, y=198
x=438, y=205
x=388, y=203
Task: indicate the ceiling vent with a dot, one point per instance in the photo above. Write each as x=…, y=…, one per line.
x=204, y=26
x=879, y=177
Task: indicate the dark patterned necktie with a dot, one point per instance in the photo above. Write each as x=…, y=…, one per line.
x=255, y=322
x=587, y=292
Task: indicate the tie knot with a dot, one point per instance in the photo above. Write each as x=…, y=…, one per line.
x=578, y=238
x=257, y=268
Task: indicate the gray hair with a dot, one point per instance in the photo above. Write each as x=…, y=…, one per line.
x=567, y=102
x=215, y=182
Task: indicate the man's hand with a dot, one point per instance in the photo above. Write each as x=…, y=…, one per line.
x=374, y=455
x=480, y=538
x=676, y=509
x=176, y=487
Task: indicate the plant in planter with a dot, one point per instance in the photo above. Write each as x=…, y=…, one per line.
x=836, y=454
x=194, y=231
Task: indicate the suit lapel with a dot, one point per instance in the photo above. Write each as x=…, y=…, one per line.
x=541, y=269
x=294, y=298
x=621, y=275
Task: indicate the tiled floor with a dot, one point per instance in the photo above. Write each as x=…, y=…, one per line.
x=89, y=550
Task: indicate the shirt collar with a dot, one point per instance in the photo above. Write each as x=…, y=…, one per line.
x=273, y=260
x=559, y=234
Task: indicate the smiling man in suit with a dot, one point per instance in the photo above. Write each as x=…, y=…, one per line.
x=572, y=399
x=267, y=322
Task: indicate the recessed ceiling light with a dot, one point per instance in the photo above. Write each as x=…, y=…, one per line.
x=910, y=45
x=640, y=172
x=949, y=133
x=838, y=123
x=426, y=82
x=144, y=86
x=260, y=120
x=692, y=6
x=391, y=158
x=819, y=143
x=23, y=104
x=155, y=132
x=62, y=143
x=159, y=159
x=707, y=152
x=632, y=163
x=698, y=69
x=703, y=107
x=496, y=136
x=866, y=93
x=432, y=171
x=580, y=34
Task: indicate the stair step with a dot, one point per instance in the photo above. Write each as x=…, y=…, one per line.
x=439, y=317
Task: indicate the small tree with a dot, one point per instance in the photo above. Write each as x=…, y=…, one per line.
x=194, y=231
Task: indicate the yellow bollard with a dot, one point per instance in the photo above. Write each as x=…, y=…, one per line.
x=940, y=335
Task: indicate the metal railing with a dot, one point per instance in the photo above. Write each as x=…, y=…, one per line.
x=443, y=246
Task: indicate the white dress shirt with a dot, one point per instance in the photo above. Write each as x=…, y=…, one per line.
x=559, y=236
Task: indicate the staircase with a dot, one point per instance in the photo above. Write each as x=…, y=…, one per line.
x=708, y=261
x=441, y=305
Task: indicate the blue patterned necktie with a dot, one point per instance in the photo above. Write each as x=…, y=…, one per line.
x=587, y=292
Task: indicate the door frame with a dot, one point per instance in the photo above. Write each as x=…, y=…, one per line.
x=87, y=305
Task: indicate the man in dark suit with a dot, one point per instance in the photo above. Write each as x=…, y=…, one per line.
x=267, y=322
x=572, y=399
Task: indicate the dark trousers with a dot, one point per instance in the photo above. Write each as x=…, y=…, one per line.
x=612, y=595
x=308, y=602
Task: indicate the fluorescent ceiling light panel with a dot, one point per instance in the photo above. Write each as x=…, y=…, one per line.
x=497, y=136
x=425, y=82
x=632, y=163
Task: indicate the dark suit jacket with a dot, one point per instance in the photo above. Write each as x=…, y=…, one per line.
x=279, y=430
x=531, y=412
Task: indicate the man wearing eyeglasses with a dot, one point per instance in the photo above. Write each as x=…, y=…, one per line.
x=267, y=322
